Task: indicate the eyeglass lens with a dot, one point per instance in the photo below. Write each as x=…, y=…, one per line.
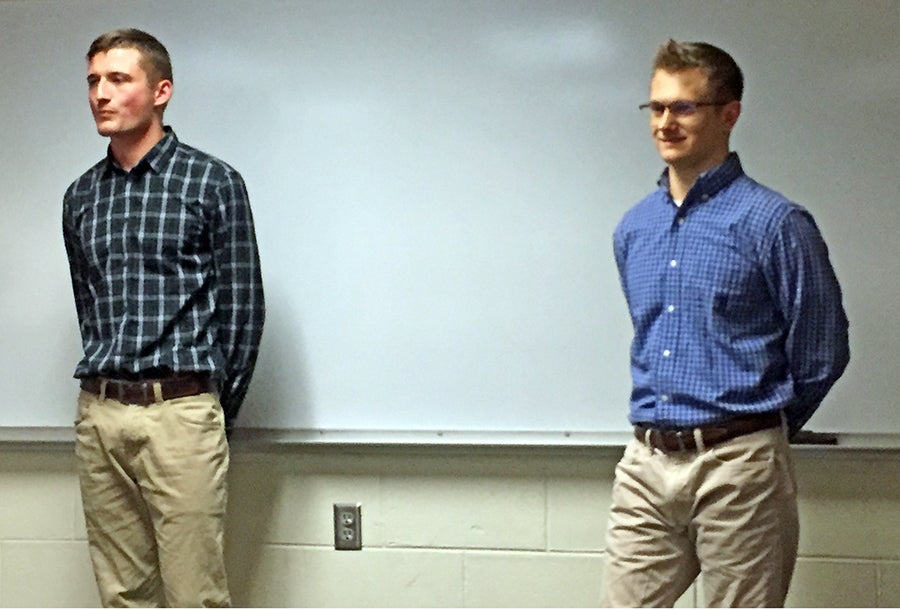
x=678, y=107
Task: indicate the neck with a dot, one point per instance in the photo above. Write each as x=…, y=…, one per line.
x=680, y=184
x=129, y=148
x=683, y=177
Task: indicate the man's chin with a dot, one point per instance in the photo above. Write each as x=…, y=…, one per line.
x=670, y=157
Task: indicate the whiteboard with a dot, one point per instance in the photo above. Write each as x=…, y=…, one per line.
x=435, y=184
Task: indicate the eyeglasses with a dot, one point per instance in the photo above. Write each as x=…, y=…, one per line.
x=677, y=108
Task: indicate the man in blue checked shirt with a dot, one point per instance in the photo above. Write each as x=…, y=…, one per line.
x=739, y=333
x=168, y=290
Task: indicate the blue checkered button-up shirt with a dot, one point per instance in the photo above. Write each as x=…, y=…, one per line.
x=165, y=268
x=735, y=305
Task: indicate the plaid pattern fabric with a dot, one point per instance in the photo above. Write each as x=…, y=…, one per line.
x=165, y=268
x=735, y=305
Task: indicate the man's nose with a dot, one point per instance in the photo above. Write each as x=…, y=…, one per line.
x=665, y=119
x=101, y=90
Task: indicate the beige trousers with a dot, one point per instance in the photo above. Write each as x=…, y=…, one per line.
x=728, y=513
x=153, y=486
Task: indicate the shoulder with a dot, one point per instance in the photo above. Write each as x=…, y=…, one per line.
x=190, y=160
x=651, y=207
x=87, y=181
x=760, y=206
x=771, y=221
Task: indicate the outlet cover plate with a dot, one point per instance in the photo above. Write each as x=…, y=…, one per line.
x=347, y=527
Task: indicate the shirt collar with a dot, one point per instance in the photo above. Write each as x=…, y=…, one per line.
x=709, y=182
x=153, y=161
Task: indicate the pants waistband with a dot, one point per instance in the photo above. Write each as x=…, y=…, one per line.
x=149, y=391
x=704, y=437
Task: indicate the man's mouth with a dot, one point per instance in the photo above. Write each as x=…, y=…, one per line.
x=668, y=138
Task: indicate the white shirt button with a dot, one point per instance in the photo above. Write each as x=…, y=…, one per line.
x=673, y=263
x=681, y=220
x=666, y=353
x=664, y=398
x=670, y=308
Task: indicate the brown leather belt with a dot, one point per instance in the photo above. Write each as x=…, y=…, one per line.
x=673, y=440
x=143, y=393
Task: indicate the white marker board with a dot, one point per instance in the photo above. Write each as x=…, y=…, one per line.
x=435, y=184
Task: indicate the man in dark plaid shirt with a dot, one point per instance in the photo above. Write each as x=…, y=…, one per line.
x=169, y=296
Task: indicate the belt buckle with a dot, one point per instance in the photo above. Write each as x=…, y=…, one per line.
x=115, y=389
x=145, y=395
x=132, y=392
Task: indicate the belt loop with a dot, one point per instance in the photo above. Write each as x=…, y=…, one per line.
x=102, y=390
x=784, y=423
x=157, y=391
x=681, y=445
x=698, y=440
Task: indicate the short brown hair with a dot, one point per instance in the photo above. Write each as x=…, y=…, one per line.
x=725, y=77
x=154, y=56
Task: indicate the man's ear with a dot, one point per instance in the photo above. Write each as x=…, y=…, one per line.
x=162, y=93
x=730, y=113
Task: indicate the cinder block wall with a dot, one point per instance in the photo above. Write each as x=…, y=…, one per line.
x=442, y=526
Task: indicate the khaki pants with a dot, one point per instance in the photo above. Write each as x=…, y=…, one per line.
x=154, y=493
x=728, y=513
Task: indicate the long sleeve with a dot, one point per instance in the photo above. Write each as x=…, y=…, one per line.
x=240, y=304
x=809, y=296
x=78, y=269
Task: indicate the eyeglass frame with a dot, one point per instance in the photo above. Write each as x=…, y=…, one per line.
x=689, y=110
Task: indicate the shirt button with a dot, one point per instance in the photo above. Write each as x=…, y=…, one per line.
x=673, y=263
x=666, y=353
x=670, y=308
x=704, y=198
x=664, y=398
x=681, y=221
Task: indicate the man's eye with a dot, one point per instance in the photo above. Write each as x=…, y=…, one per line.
x=681, y=107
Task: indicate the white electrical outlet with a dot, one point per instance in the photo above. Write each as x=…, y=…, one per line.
x=347, y=527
